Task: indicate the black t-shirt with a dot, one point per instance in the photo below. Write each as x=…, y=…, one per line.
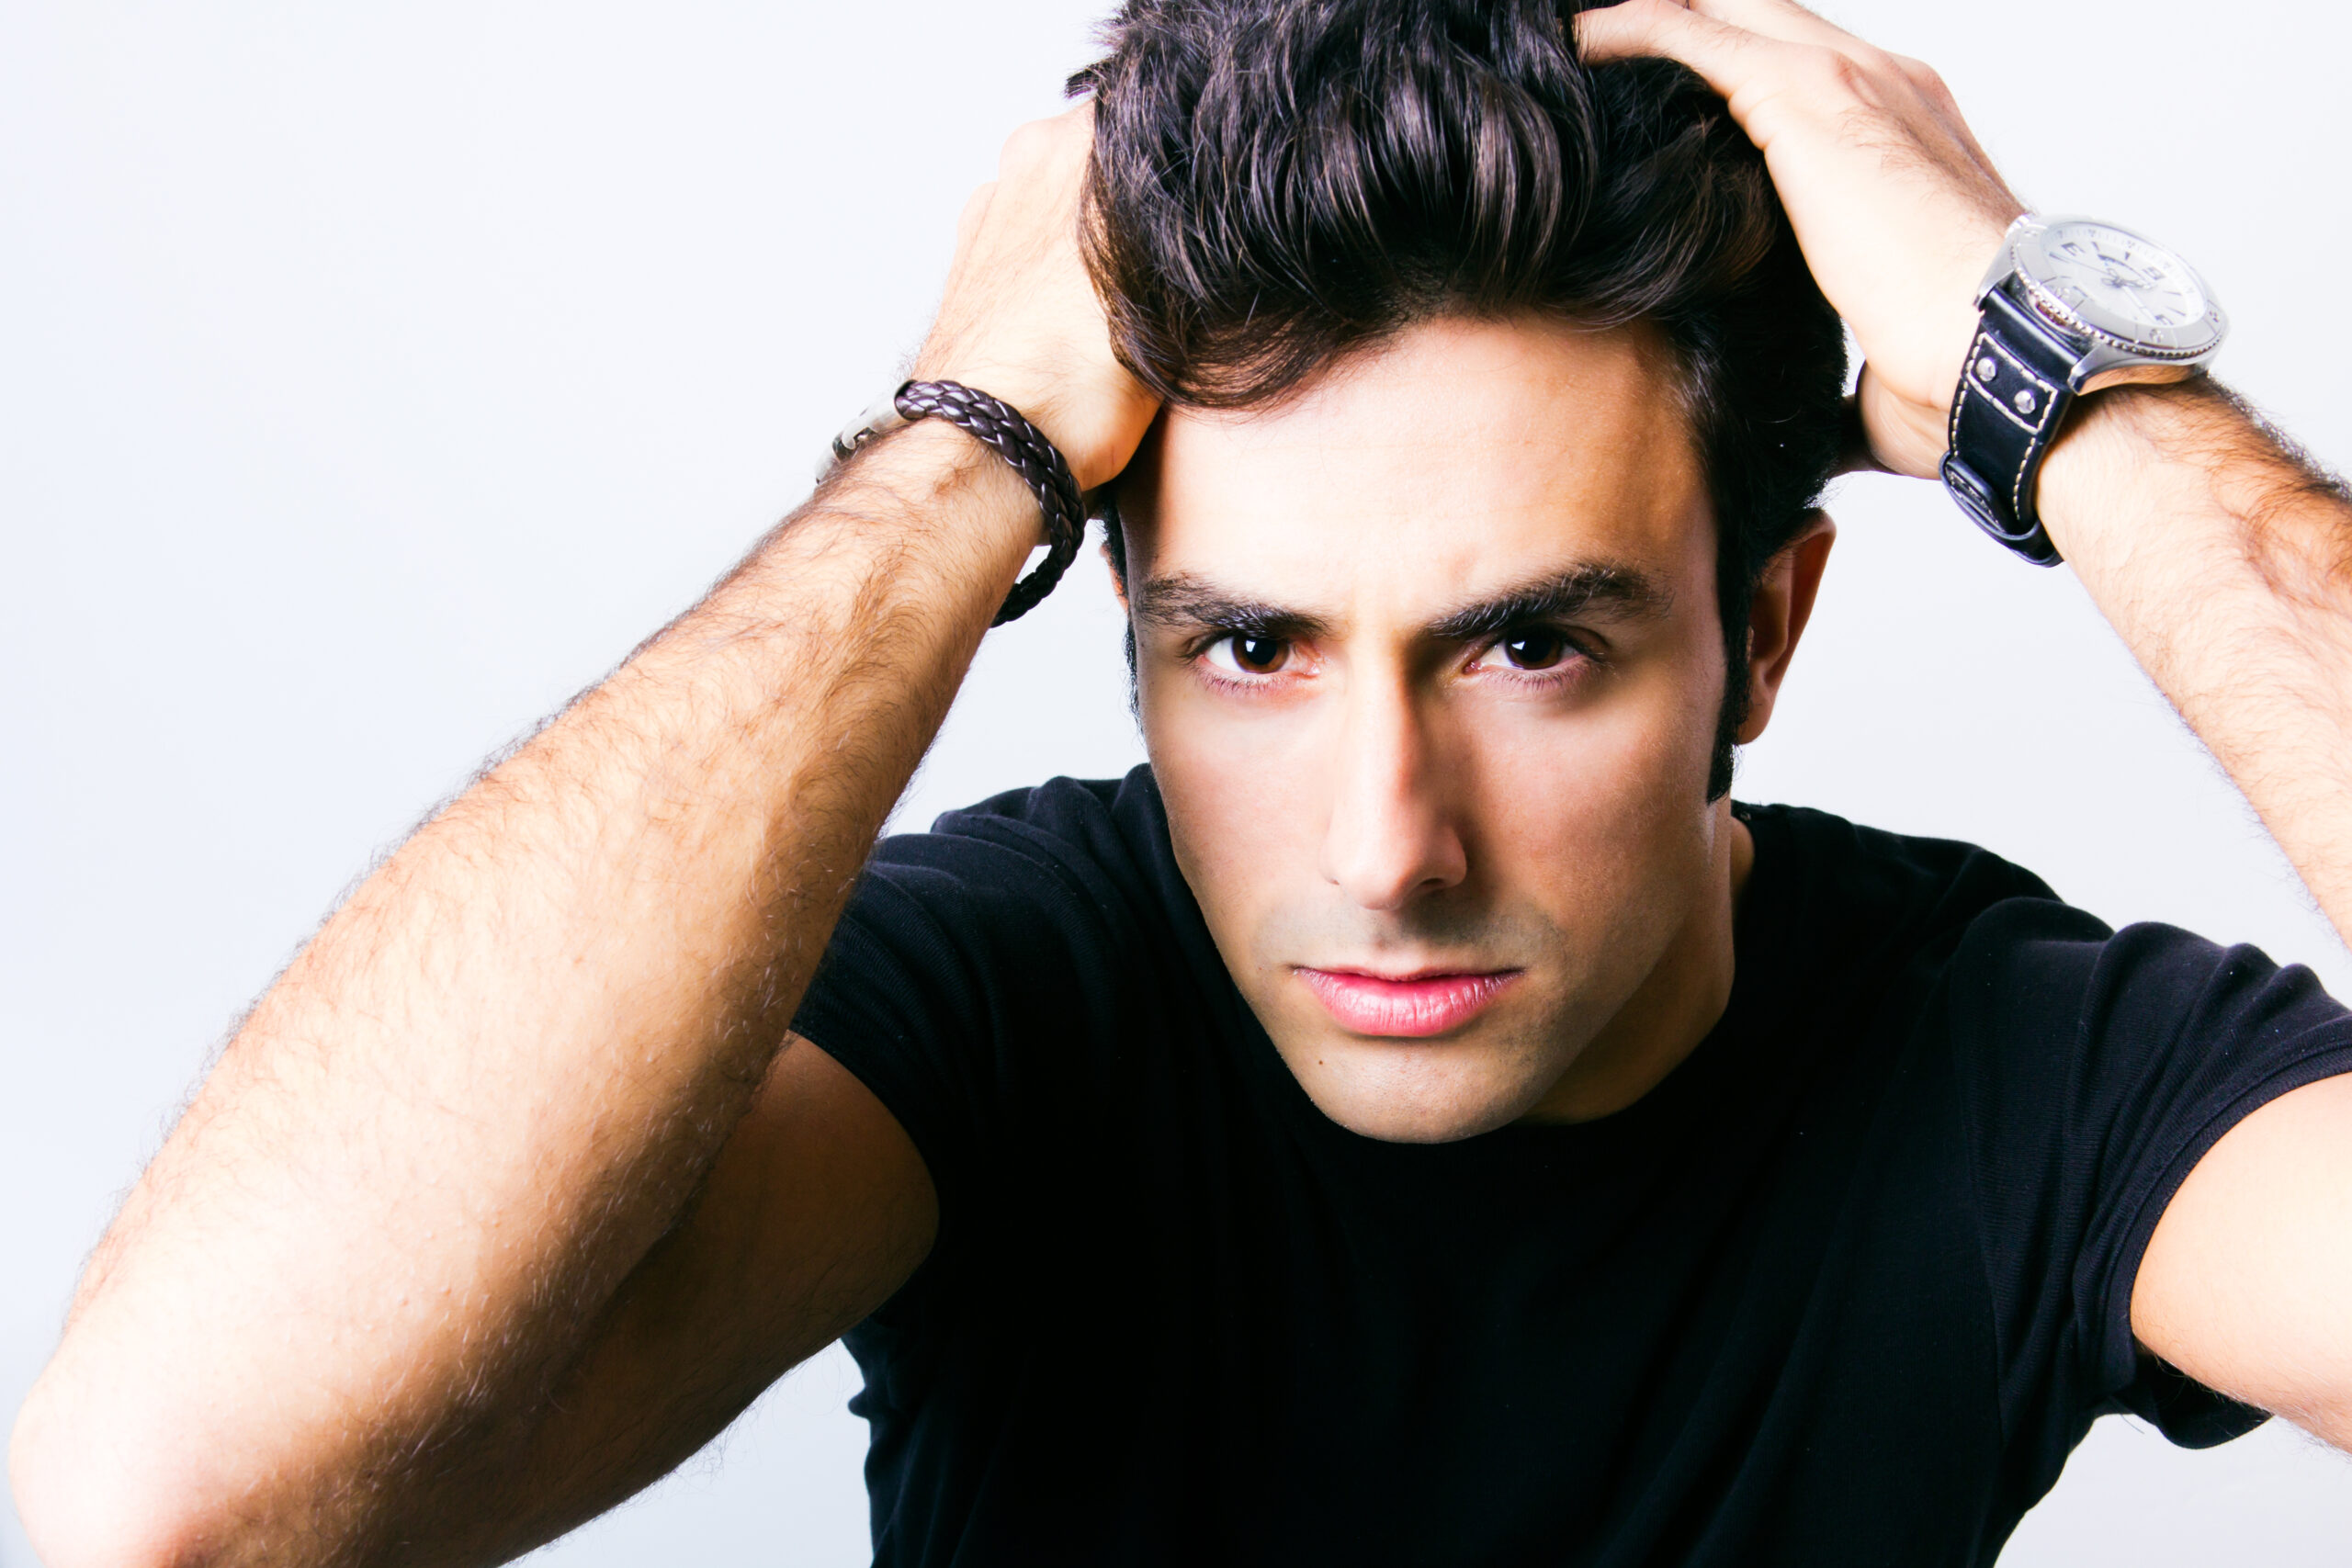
x=1844, y=1288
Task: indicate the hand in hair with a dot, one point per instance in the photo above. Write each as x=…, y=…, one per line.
x=1021, y=321
x=2213, y=544
x=1897, y=208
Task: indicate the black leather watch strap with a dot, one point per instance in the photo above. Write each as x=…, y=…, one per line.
x=2012, y=397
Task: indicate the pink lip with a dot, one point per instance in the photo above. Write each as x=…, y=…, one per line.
x=1409, y=1005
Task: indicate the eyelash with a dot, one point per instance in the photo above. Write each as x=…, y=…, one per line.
x=1197, y=655
x=1580, y=658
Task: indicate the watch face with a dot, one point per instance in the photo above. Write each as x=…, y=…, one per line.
x=2114, y=284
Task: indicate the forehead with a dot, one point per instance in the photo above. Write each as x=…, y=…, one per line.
x=1462, y=455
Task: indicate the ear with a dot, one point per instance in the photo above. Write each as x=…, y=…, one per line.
x=1776, y=618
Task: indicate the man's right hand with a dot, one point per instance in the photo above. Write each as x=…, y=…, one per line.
x=1022, y=322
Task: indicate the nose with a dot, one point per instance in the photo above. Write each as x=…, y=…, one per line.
x=1391, y=836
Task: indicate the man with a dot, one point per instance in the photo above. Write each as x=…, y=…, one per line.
x=1421, y=1119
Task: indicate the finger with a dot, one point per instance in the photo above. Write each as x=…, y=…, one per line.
x=1854, y=454
x=1056, y=141
x=1789, y=22
x=1786, y=21
x=1727, y=58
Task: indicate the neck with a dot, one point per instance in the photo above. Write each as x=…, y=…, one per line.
x=1677, y=1003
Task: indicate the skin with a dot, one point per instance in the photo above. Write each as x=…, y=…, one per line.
x=1353, y=787
x=2215, y=551
x=515, y=1188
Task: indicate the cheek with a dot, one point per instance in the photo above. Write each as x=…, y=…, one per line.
x=1560, y=808
x=1243, y=791
x=1590, y=805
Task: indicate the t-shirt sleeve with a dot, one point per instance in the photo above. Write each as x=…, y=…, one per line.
x=2099, y=1068
x=904, y=999
x=970, y=985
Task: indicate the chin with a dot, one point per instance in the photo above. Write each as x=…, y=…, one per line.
x=1412, y=1091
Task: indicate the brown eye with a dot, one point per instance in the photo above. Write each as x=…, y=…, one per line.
x=1250, y=654
x=1534, y=648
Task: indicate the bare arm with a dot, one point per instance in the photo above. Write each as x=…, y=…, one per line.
x=423, y=1273
x=815, y=1210
x=2241, y=608
x=2221, y=556
x=2224, y=558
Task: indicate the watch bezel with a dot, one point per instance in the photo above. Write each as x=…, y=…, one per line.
x=2027, y=260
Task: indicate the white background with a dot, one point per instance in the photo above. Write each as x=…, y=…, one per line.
x=372, y=377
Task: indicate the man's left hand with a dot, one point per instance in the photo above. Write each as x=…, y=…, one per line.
x=1897, y=208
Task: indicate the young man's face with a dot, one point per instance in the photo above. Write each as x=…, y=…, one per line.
x=1430, y=666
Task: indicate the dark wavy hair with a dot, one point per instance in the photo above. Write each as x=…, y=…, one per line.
x=1278, y=184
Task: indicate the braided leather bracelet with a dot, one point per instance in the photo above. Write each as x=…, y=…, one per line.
x=998, y=425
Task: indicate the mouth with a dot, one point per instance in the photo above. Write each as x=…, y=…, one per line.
x=1405, y=1005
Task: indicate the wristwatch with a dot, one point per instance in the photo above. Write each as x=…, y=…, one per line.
x=2070, y=306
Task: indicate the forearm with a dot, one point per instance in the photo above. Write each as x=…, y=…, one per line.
x=487, y=1088
x=2220, y=553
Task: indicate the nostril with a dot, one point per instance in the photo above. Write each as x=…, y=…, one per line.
x=1384, y=862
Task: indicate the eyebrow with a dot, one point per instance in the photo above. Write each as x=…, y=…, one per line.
x=1620, y=592
x=1184, y=599
x=1181, y=599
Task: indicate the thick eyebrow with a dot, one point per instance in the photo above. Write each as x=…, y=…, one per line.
x=1181, y=599
x=1618, y=592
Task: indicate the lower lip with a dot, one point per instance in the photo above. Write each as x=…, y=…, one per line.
x=1411, y=1008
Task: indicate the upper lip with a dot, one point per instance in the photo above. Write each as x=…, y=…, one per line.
x=1427, y=972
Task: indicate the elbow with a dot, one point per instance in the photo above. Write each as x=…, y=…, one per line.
x=93, y=1497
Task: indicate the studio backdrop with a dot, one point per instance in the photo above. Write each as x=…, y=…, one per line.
x=372, y=377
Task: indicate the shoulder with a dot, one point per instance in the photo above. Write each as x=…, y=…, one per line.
x=1866, y=896
x=1028, y=894
x=2010, y=952
x=1106, y=819
x=1112, y=828
x=1068, y=852
x=2082, y=1070
x=986, y=978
